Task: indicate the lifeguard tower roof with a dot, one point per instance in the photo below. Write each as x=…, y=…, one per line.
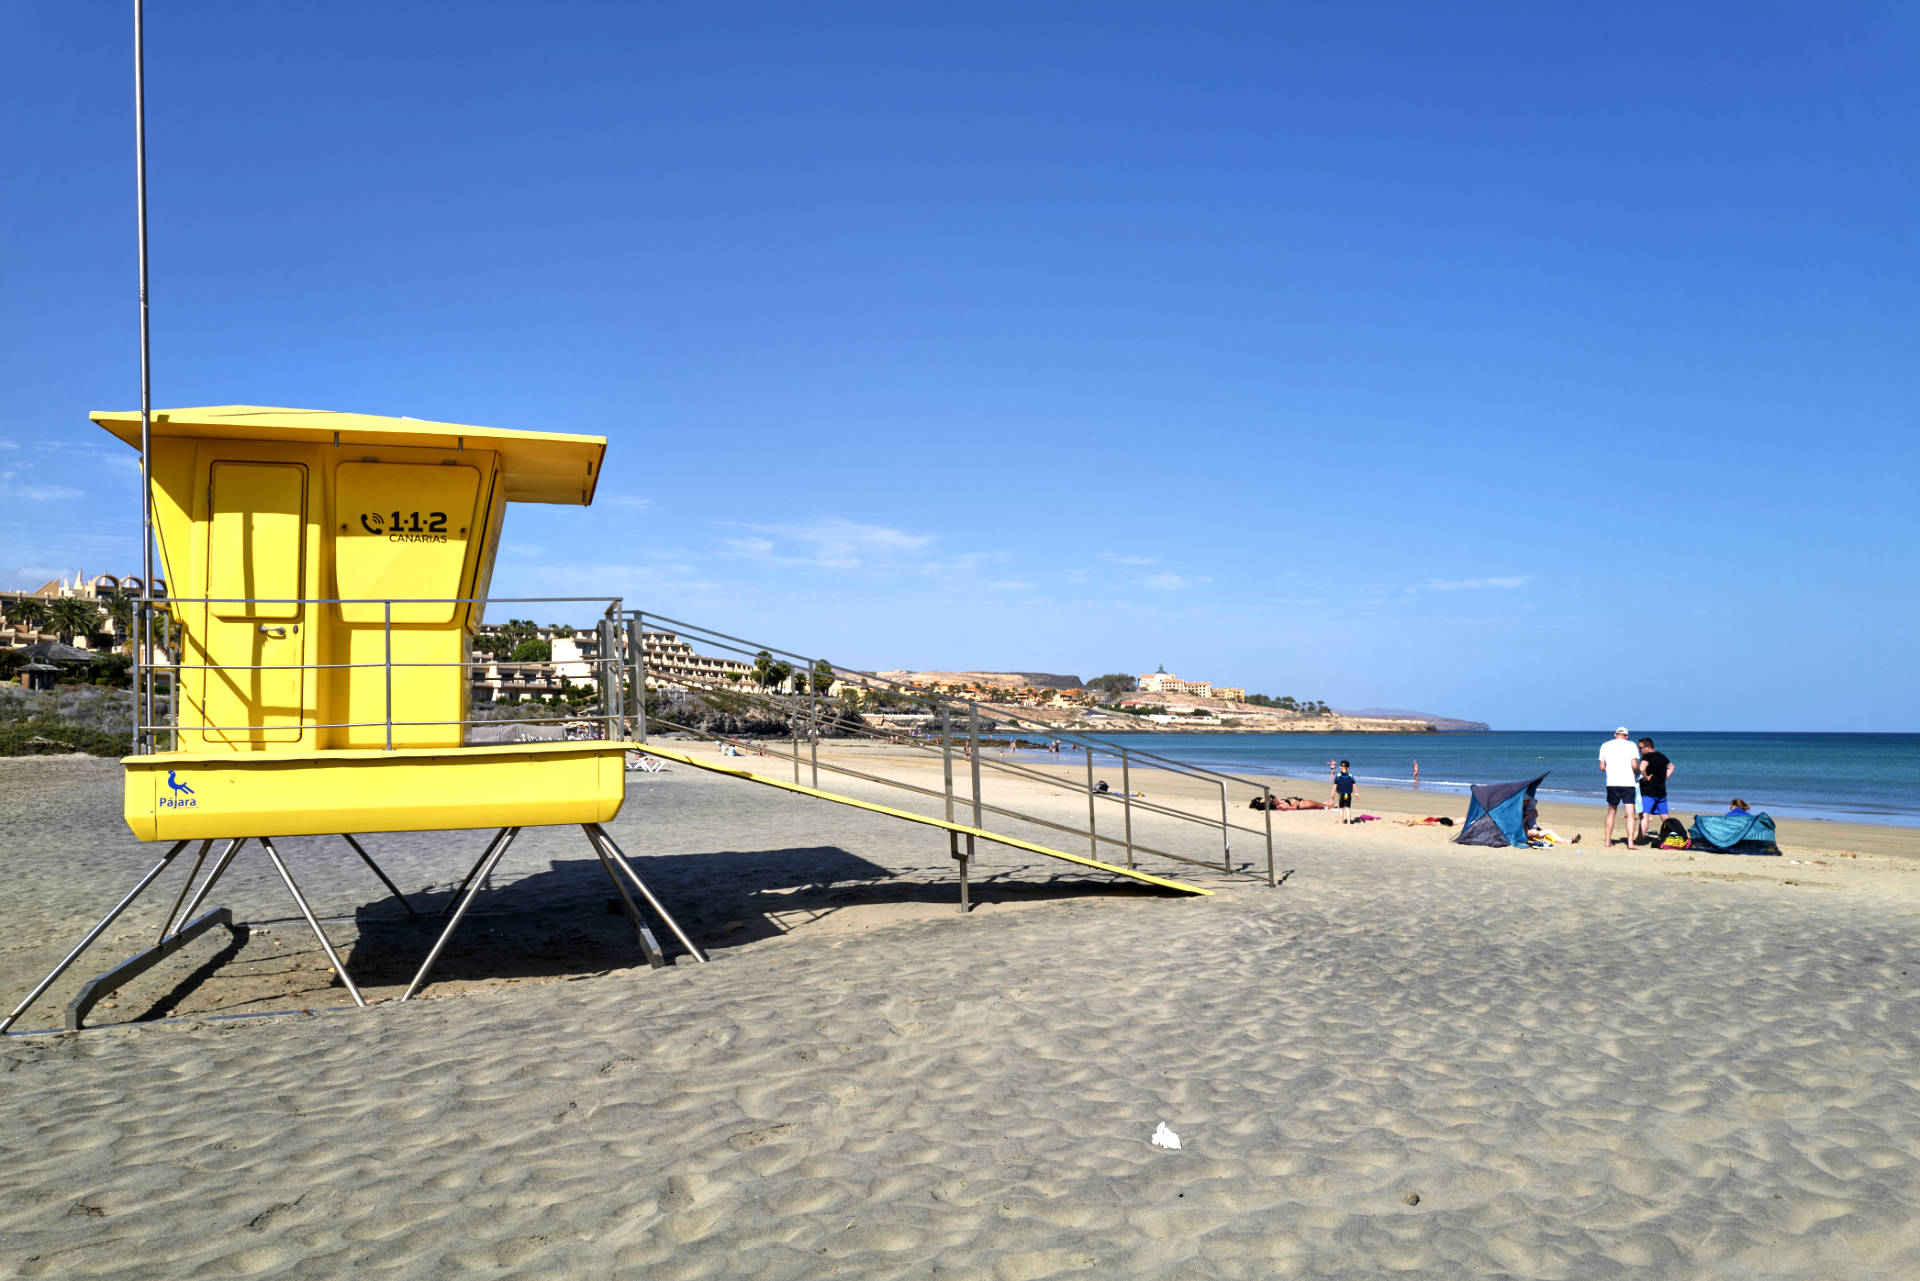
x=538, y=467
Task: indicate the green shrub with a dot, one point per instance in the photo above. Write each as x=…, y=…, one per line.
x=43, y=736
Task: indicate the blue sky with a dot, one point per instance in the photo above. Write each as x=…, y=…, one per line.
x=1549, y=365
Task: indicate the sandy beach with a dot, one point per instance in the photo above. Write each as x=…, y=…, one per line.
x=1411, y=1057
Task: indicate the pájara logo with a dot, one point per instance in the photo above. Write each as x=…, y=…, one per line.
x=182, y=798
x=407, y=527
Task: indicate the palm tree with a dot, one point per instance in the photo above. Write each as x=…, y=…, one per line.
x=70, y=616
x=28, y=612
x=120, y=611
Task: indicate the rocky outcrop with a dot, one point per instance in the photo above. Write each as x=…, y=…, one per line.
x=734, y=716
x=1445, y=724
x=987, y=680
x=1223, y=717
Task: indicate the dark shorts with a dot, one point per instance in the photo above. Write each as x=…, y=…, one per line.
x=1652, y=804
x=1346, y=800
x=1619, y=796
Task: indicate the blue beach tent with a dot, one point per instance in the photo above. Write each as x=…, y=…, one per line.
x=1734, y=833
x=1497, y=813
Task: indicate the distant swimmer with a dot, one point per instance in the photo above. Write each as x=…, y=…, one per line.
x=1416, y=773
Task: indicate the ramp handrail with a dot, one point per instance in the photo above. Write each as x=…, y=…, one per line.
x=633, y=635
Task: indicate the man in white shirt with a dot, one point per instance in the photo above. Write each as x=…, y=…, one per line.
x=1620, y=761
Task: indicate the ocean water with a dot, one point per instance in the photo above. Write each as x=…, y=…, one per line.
x=1869, y=778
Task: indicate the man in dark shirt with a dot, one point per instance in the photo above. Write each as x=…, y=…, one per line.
x=1655, y=770
x=1343, y=792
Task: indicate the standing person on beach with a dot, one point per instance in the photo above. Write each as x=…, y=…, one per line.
x=1655, y=770
x=1343, y=792
x=1620, y=761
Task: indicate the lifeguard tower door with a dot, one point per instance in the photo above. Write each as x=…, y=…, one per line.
x=255, y=557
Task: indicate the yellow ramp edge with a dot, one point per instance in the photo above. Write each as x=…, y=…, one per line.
x=667, y=753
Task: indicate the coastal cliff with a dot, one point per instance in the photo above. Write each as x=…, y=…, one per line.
x=1222, y=717
x=1062, y=702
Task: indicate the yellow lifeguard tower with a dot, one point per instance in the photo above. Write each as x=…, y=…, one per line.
x=327, y=574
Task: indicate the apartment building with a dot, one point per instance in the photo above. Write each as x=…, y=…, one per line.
x=99, y=589
x=1168, y=683
x=671, y=663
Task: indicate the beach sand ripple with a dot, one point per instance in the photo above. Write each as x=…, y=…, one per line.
x=1411, y=1059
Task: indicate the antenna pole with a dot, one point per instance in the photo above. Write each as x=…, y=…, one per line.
x=144, y=630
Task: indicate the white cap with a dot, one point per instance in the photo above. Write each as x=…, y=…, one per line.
x=1621, y=730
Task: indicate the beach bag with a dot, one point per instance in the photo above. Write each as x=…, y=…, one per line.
x=1670, y=829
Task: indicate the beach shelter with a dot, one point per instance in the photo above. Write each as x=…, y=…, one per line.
x=1497, y=813
x=1734, y=833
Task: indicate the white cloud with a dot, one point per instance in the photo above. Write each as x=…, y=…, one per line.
x=1476, y=584
x=609, y=579
x=1127, y=560
x=526, y=551
x=965, y=563
x=626, y=500
x=1012, y=585
x=37, y=493
x=832, y=542
x=27, y=578
x=1166, y=582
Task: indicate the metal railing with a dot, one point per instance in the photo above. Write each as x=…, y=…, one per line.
x=623, y=680
x=807, y=713
x=163, y=622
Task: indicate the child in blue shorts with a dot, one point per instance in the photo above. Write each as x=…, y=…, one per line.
x=1343, y=792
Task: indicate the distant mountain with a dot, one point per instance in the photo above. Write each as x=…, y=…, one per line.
x=1445, y=724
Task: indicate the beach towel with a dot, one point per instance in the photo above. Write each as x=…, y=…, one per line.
x=1731, y=834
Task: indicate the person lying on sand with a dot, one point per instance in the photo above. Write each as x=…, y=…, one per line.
x=1277, y=803
x=1416, y=822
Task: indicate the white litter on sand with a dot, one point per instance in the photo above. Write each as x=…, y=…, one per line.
x=1165, y=1138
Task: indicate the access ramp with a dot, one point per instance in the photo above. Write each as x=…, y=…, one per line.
x=927, y=820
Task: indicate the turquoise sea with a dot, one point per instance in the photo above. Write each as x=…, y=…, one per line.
x=1866, y=778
